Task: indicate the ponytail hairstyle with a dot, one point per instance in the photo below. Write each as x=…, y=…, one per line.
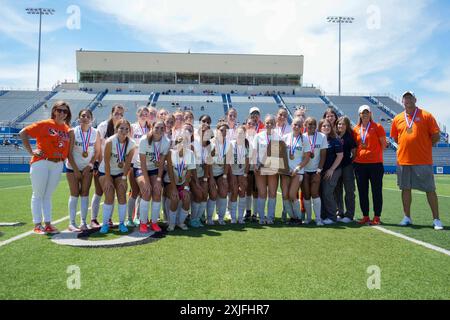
x=110, y=130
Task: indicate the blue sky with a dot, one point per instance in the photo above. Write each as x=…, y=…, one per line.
x=393, y=46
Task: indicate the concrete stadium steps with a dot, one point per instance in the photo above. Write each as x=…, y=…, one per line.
x=14, y=103
x=391, y=104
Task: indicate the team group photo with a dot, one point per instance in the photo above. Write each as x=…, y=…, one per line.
x=166, y=163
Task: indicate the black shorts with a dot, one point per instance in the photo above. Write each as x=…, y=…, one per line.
x=138, y=172
x=114, y=176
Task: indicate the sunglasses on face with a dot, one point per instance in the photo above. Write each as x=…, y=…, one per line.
x=65, y=111
x=118, y=114
x=124, y=129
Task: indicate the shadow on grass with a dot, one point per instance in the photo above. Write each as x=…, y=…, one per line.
x=413, y=227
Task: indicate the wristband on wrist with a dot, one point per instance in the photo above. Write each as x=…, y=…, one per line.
x=124, y=177
x=158, y=179
x=225, y=176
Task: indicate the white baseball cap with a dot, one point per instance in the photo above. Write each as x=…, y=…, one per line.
x=363, y=108
x=254, y=109
x=410, y=93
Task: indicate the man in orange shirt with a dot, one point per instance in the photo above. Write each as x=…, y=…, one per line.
x=416, y=131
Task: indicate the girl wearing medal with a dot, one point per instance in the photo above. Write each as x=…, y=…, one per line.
x=265, y=171
x=298, y=152
x=152, y=115
x=83, y=149
x=311, y=180
x=113, y=171
x=283, y=128
x=331, y=172
x=188, y=117
x=148, y=170
x=199, y=181
x=347, y=180
x=368, y=164
x=180, y=163
x=218, y=179
x=104, y=130
x=138, y=130
x=178, y=124
x=231, y=117
x=252, y=192
x=169, y=121
x=239, y=174
x=162, y=114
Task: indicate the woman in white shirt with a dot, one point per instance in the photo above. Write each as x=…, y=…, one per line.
x=298, y=153
x=113, y=171
x=266, y=170
x=148, y=170
x=83, y=149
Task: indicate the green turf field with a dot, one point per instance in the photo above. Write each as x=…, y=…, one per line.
x=231, y=262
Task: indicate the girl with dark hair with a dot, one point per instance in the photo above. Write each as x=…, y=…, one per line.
x=84, y=149
x=104, y=130
x=331, y=115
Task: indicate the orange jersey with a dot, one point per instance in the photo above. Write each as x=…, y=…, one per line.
x=52, y=139
x=414, y=148
x=373, y=152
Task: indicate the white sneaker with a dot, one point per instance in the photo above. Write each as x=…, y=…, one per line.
x=269, y=222
x=183, y=227
x=346, y=220
x=233, y=221
x=406, y=221
x=73, y=228
x=328, y=221
x=171, y=227
x=222, y=223
x=306, y=222
x=437, y=224
x=319, y=223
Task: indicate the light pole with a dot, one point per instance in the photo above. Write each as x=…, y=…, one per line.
x=40, y=12
x=340, y=20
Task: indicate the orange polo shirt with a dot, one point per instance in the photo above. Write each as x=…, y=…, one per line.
x=414, y=148
x=52, y=139
x=373, y=153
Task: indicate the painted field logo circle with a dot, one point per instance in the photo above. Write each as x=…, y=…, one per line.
x=68, y=238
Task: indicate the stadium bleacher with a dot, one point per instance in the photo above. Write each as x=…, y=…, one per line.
x=14, y=103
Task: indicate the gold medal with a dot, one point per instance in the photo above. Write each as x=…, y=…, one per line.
x=85, y=154
x=291, y=156
x=364, y=145
x=409, y=130
x=180, y=180
x=120, y=165
x=312, y=155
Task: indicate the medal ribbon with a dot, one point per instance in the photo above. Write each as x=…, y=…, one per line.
x=143, y=130
x=409, y=125
x=157, y=150
x=84, y=140
x=364, y=134
x=282, y=130
x=180, y=167
x=294, y=145
x=313, y=143
x=120, y=151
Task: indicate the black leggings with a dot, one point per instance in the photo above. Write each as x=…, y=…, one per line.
x=364, y=173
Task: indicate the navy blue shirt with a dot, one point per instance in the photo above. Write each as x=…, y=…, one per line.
x=334, y=147
x=348, y=143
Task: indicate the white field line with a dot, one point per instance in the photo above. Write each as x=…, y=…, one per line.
x=420, y=243
x=415, y=192
x=16, y=187
x=26, y=234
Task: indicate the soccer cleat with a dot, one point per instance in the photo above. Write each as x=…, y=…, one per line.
x=183, y=227
x=194, y=223
x=200, y=224
x=74, y=228
x=248, y=215
x=233, y=221
x=136, y=221
x=328, y=221
x=269, y=222
x=306, y=221
x=110, y=223
x=171, y=227
x=39, y=230
x=222, y=223
x=95, y=224
x=49, y=229
x=346, y=220
x=143, y=228
x=122, y=228
x=437, y=224
x=155, y=227
x=104, y=229
x=406, y=221
x=84, y=227
x=364, y=220
x=241, y=221
x=130, y=224
x=319, y=222
x=210, y=222
x=376, y=221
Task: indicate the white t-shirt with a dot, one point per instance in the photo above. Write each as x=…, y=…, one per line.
x=221, y=156
x=261, y=142
x=137, y=132
x=202, y=157
x=162, y=146
x=300, y=145
x=101, y=132
x=240, y=154
x=91, y=138
x=321, y=143
x=114, y=160
x=284, y=130
x=189, y=164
